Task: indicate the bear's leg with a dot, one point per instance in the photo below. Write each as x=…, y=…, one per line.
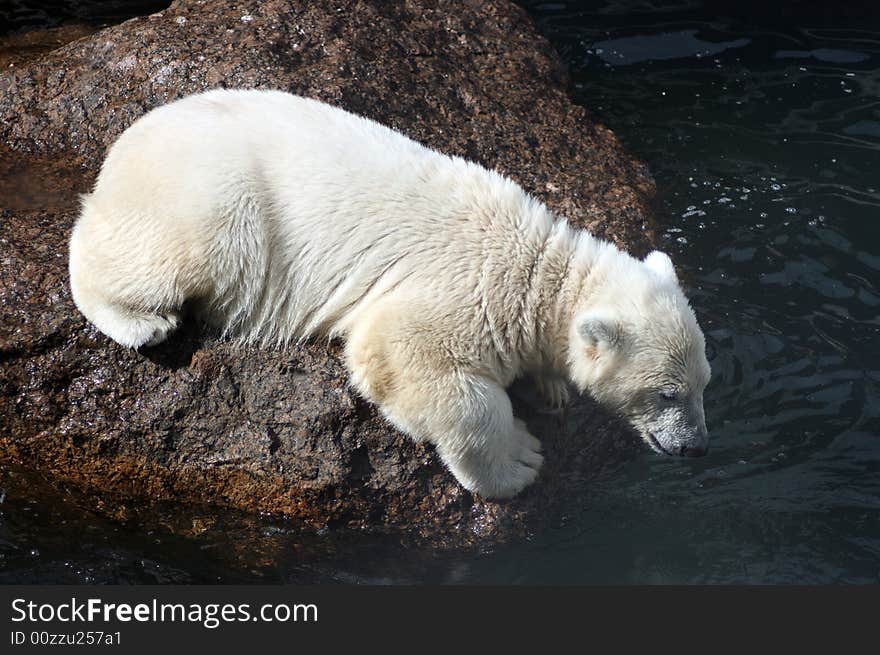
x=466, y=415
x=469, y=420
x=130, y=291
x=488, y=450
x=134, y=329
x=125, y=326
x=96, y=294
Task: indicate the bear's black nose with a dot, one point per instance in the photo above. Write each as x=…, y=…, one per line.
x=694, y=451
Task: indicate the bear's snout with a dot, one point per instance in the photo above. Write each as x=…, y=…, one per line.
x=697, y=445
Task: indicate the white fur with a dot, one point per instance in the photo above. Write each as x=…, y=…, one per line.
x=279, y=217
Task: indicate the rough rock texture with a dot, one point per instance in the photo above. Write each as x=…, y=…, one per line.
x=271, y=430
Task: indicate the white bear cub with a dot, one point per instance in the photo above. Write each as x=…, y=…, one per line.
x=277, y=218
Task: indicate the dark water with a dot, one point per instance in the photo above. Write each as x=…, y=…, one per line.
x=763, y=133
x=16, y=15
x=762, y=128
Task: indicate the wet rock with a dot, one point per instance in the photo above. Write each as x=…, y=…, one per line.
x=22, y=47
x=278, y=430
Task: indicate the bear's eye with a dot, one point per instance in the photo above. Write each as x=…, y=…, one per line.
x=668, y=395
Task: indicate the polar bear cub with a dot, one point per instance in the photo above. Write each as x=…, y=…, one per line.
x=278, y=218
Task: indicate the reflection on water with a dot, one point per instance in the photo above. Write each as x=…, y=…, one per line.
x=765, y=142
x=656, y=47
x=767, y=155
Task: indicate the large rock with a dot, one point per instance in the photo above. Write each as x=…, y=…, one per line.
x=279, y=431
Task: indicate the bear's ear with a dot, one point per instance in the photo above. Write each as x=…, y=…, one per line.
x=661, y=265
x=598, y=330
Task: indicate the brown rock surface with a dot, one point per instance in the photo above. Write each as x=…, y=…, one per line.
x=278, y=430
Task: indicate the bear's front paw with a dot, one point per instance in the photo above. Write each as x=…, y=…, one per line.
x=553, y=391
x=510, y=468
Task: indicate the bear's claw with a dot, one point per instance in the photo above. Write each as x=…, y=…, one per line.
x=553, y=391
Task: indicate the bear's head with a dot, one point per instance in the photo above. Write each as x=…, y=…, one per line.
x=636, y=347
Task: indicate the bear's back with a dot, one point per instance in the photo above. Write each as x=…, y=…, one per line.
x=326, y=208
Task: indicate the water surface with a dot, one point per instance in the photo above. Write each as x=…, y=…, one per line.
x=763, y=134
